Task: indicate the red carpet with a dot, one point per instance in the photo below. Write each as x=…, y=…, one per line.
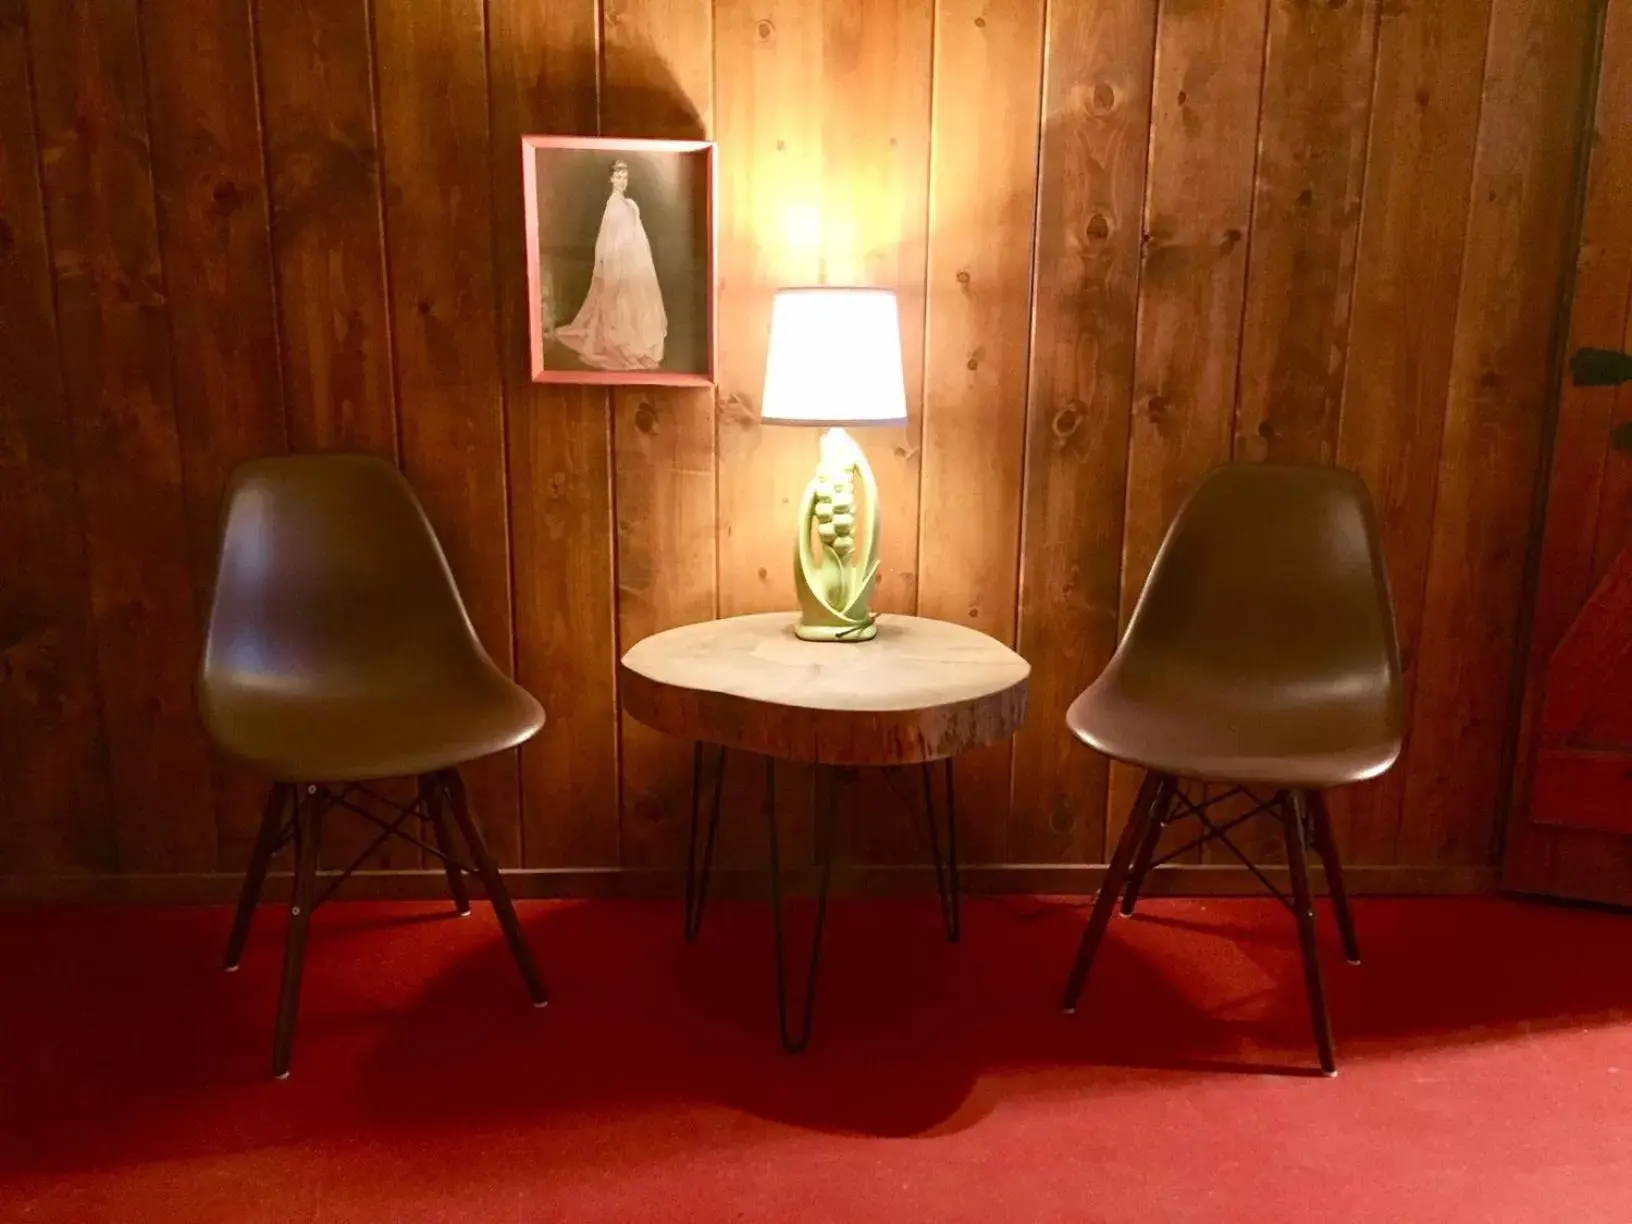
x=1486, y=1052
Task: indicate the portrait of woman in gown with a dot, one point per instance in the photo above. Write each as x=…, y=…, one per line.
x=622, y=324
x=620, y=260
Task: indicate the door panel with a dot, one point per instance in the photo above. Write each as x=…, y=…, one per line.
x=1570, y=826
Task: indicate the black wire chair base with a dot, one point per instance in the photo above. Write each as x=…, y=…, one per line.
x=294, y=816
x=1304, y=822
x=831, y=781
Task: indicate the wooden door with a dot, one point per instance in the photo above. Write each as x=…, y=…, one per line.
x=1570, y=828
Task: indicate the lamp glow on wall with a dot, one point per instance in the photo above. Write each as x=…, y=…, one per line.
x=835, y=360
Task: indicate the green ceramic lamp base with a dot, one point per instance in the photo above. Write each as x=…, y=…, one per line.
x=835, y=633
x=834, y=568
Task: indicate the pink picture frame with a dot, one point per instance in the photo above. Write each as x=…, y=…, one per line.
x=621, y=260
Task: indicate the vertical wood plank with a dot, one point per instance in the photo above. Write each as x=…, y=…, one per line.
x=1582, y=509
x=323, y=166
x=322, y=151
x=659, y=81
x=1318, y=62
x=985, y=133
x=58, y=815
x=542, y=78
x=214, y=235
x=769, y=65
x=436, y=159
x=768, y=97
x=1090, y=223
x=1425, y=117
x=877, y=64
x=1518, y=231
x=93, y=124
x=1312, y=130
x=1209, y=69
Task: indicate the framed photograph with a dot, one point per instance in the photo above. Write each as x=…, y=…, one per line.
x=620, y=259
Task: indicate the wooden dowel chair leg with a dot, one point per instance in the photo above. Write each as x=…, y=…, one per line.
x=1326, y=847
x=1295, y=811
x=1147, y=846
x=1116, y=878
x=267, y=841
x=497, y=893
x=436, y=812
x=308, y=837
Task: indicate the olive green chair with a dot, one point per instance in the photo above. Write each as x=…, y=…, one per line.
x=339, y=653
x=1261, y=655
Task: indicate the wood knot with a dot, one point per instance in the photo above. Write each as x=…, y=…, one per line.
x=735, y=408
x=8, y=236
x=226, y=196
x=1423, y=96
x=1099, y=227
x=764, y=574
x=980, y=23
x=963, y=276
x=1061, y=820
x=1156, y=409
x=1183, y=97
x=1104, y=97
x=645, y=417
x=1067, y=419
x=974, y=363
x=764, y=29
x=781, y=145
x=423, y=306
x=1306, y=197
x=1232, y=239
x=1266, y=431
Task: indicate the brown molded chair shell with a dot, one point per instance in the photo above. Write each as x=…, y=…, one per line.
x=338, y=646
x=1262, y=649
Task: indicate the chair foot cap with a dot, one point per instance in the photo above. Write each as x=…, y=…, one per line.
x=1070, y=1009
x=1353, y=960
x=1329, y=1074
x=232, y=968
x=540, y=1004
x=280, y=1075
x=462, y=913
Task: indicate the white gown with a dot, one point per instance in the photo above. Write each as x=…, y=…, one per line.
x=622, y=324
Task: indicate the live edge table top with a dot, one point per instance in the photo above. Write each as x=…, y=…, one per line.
x=920, y=691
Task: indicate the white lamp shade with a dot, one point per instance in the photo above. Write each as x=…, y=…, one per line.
x=835, y=359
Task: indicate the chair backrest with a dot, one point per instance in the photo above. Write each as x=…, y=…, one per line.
x=1271, y=585
x=330, y=579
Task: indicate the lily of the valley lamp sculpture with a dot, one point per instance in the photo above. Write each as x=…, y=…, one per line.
x=835, y=360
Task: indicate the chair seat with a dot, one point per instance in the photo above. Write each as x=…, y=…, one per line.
x=304, y=736
x=1190, y=731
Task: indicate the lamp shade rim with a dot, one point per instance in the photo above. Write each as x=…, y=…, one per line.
x=835, y=422
x=835, y=289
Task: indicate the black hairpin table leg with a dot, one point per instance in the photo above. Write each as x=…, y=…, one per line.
x=793, y=1042
x=697, y=873
x=946, y=876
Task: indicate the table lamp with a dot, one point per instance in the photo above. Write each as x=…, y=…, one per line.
x=835, y=360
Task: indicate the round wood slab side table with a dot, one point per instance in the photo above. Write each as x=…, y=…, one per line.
x=918, y=694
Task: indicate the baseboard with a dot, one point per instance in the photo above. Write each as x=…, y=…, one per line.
x=221, y=888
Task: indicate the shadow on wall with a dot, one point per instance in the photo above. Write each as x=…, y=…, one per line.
x=641, y=97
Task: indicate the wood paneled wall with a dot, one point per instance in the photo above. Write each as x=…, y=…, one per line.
x=1132, y=239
